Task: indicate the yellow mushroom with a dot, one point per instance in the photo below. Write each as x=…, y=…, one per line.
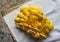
x=21, y=15
x=33, y=17
x=36, y=35
x=32, y=20
x=24, y=8
x=17, y=19
x=36, y=8
x=26, y=13
x=42, y=36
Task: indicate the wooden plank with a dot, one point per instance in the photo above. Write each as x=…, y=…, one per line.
x=14, y=4
x=9, y=10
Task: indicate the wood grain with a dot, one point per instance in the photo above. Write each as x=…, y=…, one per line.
x=5, y=12
x=13, y=4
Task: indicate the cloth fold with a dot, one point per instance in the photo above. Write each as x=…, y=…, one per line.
x=51, y=10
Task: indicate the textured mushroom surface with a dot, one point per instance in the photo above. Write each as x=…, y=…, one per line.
x=32, y=20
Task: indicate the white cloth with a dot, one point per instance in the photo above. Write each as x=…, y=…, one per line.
x=51, y=10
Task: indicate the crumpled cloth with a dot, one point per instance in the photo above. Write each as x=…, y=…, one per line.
x=51, y=10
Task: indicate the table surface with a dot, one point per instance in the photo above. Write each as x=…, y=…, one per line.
x=5, y=35
x=7, y=6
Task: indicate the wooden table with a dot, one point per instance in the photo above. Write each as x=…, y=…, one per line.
x=5, y=34
x=9, y=5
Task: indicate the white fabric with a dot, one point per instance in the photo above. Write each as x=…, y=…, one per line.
x=51, y=10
